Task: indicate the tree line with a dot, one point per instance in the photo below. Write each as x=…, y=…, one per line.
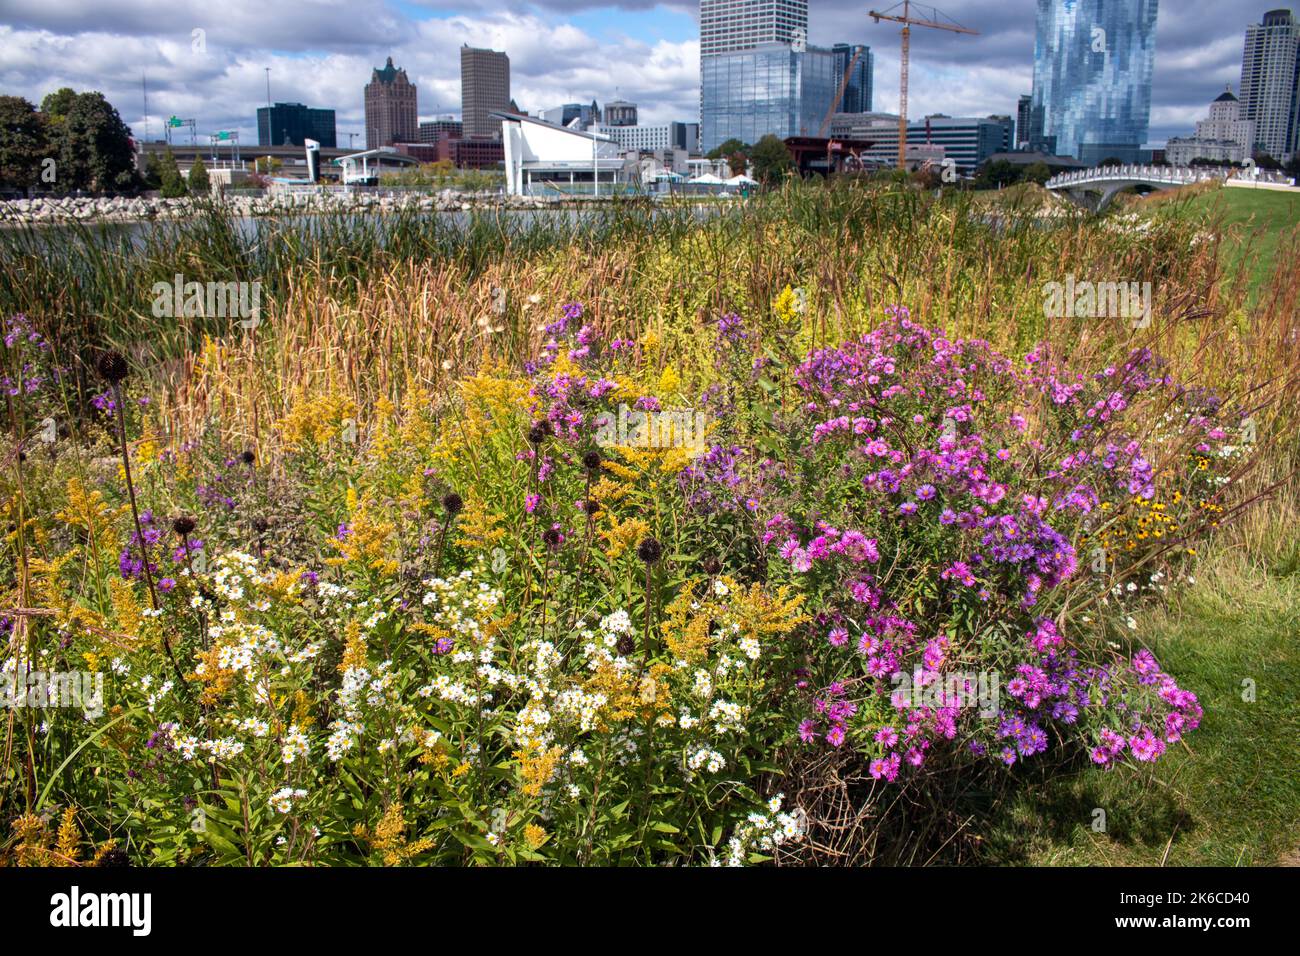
x=77, y=143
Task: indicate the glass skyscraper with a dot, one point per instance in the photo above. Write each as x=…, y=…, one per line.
x=857, y=91
x=1093, y=61
x=774, y=88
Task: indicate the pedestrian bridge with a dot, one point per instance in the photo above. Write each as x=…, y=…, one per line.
x=1096, y=187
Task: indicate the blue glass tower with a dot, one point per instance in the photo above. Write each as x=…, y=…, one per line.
x=1093, y=61
x=772, y=88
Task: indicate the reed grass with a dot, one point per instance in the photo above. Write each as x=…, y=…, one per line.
x=365, y=304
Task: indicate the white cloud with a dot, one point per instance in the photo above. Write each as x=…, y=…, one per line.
x=222, y=86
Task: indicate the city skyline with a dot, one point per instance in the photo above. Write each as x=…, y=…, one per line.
x=560, y=52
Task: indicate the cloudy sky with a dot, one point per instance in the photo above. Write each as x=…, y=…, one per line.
x=321, y=52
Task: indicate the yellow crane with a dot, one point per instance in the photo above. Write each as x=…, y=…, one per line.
x=908, y=21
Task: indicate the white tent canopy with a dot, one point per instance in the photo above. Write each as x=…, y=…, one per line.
x=708, y=179
x=741, y=180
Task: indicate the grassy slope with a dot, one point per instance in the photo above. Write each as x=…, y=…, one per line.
x=1259, y=219
x=1232, y=795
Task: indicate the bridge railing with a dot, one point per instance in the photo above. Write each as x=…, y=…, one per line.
x=1163, y=174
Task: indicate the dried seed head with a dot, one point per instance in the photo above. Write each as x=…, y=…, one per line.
x=712, y=566
x=112, y=367
x=591, y=506
x=649, y=550
x=539, y=432
x=551, y=537
x=183, y=525
x=260, y=524
x=591, y=461
x=247, y=457
x=626, y=645
x=452, y=503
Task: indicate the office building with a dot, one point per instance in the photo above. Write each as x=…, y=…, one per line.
x=620, y=113
x=484, y=89
x=967, y=140
x=857, y=91
x=435, y=130
x=1270, y=83
x=1093, y=61
x=1223, y=136
x=391, y=108
x=476, y=153
x=731, y=25
x=1023, y=109
x=288, y=124
x=774, y=88
x=661, y=136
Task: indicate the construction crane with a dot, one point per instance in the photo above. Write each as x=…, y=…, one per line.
x=908, y=21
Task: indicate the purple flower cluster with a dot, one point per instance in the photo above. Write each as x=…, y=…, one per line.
x=131, y=561
x=930, y=511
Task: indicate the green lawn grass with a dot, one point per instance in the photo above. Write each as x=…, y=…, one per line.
x=1231, y=796
x=1256, y=221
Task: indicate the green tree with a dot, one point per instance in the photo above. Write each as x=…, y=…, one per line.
x=1038, y=173
x=772, y=161
x=992, y=175
x=170, y=183
x=91, y=143
x=728, y=148
x=24, y=144
x=58, y=104
x=153, y=170
x=200, y=185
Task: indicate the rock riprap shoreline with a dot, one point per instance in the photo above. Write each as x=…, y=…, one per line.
x=48, y=210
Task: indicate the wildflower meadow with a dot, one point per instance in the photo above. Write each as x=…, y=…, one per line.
x=795, y=533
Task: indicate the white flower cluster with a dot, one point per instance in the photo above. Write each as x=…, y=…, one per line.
x=282, y=800
x=710, y=760
x=461, y=606
x=764, y=832
x=295, y=745
x=600, y=647
x=223, y=748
